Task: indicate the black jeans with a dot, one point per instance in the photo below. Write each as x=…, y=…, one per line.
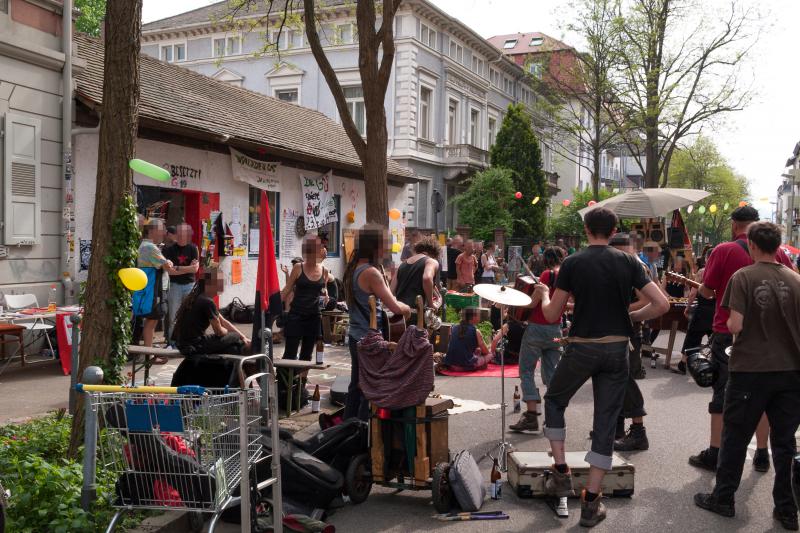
x=633, y=405
x=356, y=405
x=748, y=396
x=607, y=366
x=719, y=342
x=301, y=329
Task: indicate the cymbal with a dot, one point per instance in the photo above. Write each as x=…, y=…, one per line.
x=502, y=295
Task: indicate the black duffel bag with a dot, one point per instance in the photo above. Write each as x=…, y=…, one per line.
x=238, y=312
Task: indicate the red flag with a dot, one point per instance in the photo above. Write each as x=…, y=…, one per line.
x=267, y=284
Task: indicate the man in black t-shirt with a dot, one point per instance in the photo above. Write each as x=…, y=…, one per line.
x=601, y=280
x=185, y=257
x=198, y=312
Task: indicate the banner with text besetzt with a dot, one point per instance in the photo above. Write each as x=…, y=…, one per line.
x=319, y=204
x=259, y=174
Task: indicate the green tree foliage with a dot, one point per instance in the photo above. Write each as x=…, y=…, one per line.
x=701, y=166
x=92, y=14
x=517, y=149
x=566, y=221
x=485, y=204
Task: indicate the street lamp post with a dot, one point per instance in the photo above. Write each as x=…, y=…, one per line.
x=791, y=215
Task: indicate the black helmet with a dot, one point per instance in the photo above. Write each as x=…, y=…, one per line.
x=702, y=370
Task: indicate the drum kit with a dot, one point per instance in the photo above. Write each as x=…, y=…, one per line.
x=502, y=296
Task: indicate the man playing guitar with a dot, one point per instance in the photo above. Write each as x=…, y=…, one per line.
x=723, y=262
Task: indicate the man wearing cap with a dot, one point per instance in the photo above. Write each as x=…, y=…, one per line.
x=723, y=263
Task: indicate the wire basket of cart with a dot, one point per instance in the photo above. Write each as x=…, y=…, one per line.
x=186, y=448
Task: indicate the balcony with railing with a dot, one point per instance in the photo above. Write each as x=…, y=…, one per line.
x=465, y=154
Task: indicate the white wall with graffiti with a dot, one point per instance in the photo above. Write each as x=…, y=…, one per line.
x=211, y=172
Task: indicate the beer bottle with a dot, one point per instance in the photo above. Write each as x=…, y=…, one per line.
x=494, y=481
x=320, y=351
x=517, y=400
x=315, y=400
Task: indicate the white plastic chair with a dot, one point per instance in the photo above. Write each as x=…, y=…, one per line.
x=17, y=302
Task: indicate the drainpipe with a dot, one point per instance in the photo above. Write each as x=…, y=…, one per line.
x=68, y=250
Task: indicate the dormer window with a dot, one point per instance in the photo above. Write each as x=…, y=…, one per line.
x=537, y=41
x=510, y=43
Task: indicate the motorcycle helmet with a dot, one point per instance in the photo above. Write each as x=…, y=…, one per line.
x=700, y=367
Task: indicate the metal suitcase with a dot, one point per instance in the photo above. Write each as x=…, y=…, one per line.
x=527, y=472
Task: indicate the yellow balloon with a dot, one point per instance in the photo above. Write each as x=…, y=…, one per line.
x=396, y=248
x=395, y=214
x=713, y=208
x=535, y=201
x=134, y=279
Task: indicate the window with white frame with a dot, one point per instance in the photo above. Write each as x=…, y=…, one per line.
x=288, y=95
x=227, y=46
x=173, y=52
x=355, y=104
x=456, y=51
x=477, y=65
x=427, y=36
x=492, y=130
x=510, y=43
x=288, y=39
x=536, y=41
x=425, y=105
x=535, y=69
x=452, y=122
x=474, y=127
x=494, y=77
x=346, y=33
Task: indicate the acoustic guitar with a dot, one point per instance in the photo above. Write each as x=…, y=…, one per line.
x=397, y=323
x=677, y=278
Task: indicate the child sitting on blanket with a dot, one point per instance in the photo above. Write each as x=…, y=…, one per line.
x=467, y=351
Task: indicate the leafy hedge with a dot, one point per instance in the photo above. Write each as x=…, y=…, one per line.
x=46, y=486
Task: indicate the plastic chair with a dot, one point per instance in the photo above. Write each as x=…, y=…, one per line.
x=17, y=302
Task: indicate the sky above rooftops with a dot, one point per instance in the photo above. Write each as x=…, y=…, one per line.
x=756, y=141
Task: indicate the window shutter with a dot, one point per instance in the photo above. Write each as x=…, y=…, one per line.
x=22, y=192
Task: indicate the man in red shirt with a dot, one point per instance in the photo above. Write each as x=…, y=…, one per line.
x=723, y=263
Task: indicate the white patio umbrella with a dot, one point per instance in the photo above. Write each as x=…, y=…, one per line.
x=649, y=203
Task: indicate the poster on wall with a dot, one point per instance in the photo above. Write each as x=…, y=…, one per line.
x=86, y=253
x=236, y=271
x=319, y=203
x=288, y=236
x=259, y=174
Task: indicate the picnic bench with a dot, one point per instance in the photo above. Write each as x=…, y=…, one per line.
x=147, y=353
x=287, y=370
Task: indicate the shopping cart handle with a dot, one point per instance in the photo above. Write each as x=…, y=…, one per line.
x=184, y=389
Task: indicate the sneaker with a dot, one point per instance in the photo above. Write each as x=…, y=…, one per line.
x=634, y=439
x=529, y=421
x=681, y=369
x=710, y=503
x=761, y=460
x=641, y=374
x=704, y=460
x=592, y=513
x=558, y=484
x=787, y=519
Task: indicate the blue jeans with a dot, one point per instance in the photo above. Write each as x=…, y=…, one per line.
x=537, y=343
x=175, y=296
x=607, y=366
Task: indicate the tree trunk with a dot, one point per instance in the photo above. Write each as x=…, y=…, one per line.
x=118, y=125
x=376, y=189
x=596, y=148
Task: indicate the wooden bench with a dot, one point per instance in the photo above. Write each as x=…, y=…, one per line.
x=147, y=353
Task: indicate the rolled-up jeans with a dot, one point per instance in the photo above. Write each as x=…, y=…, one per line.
x=537, y=343
x=607, y=366
x=175, y=296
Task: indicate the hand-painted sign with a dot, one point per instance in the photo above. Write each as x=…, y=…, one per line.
x=181, y=174
x=319, y=204
x=259, y=174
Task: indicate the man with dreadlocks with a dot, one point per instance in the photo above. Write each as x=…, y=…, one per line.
x=197, y=312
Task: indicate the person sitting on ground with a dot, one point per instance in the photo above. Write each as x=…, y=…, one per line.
x=467, y=351
x=197, y=312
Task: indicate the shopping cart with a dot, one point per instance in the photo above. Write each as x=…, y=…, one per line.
x=187, y=448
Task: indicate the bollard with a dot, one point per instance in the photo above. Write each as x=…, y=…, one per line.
x=75, y=320
x=91, y=376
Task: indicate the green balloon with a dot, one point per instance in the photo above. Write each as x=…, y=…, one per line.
x=702, y=209
x=149, y=169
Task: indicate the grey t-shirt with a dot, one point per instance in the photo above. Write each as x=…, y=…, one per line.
x=768, y=296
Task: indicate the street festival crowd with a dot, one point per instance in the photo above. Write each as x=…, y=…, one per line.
x=590, y=316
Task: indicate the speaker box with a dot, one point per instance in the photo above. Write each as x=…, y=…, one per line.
x=656, y=232
x=676, y=238
x=639, y=229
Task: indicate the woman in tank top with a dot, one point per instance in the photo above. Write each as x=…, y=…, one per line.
x=306, y=284
x=362, y=278
x=418, y=276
